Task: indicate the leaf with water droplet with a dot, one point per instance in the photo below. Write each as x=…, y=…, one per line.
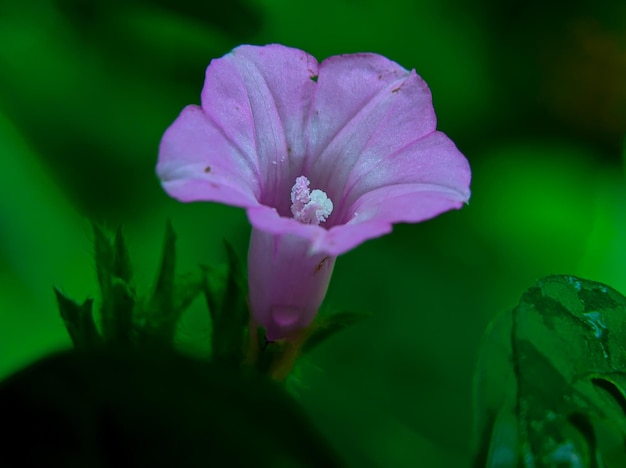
x=551, y=379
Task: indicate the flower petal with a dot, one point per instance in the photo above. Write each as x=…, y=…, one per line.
x=259, y=98
x=196, y=163
x=365, y=107
x=429, y=164
x=268, y=220
x=417, y=183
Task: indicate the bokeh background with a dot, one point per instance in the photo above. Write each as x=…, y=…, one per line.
x=533, y=93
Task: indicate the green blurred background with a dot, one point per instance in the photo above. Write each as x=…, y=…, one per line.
x=533, y=94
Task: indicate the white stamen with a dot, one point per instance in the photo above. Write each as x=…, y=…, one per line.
x=309, y=207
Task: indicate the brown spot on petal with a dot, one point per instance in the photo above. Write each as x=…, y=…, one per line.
x=207, y=169
x=395, y=90
x=319, y=267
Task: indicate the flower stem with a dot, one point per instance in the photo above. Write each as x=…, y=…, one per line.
x=285, y=360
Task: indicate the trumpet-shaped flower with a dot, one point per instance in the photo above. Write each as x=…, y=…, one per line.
x=322, y=156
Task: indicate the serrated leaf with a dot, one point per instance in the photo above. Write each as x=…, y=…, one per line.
x=164, y=289
x=158, y=319
x=157, y=325
x=236, y=269
x=226, y=299
x=122, y=267
x=559, y=357
x=325, y=327
x=105, y=259
x=117, y=325
x=117, y=293
x=215, y=288
x=79, y=322
x=187, y=288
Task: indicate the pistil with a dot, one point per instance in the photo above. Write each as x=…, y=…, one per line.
x=309, y=207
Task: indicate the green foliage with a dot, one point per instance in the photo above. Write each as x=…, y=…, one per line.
x=326, y=326
x=126, y=319
x=129, y=320
x=158, y=317
x=78, y=319
x=551, y=379
x=148, y=389
x=226, y=293
x=115, y=280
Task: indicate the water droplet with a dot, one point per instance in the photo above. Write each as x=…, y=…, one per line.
x=567, y=454
x=285, y=316
x=597, y=324
x=574, y=282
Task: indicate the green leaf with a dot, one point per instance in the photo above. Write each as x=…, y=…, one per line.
x=215, y=288
x=551, y=379
x=104, y=256
x=118, y=321
x=122, y=267
x=187, y=288
x=327, y=326
x=117, y=292
x=78, y=319
x=226, y=297
x=157, y=320
x=163, y=298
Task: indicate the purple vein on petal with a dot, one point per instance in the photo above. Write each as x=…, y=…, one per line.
x=385, y=159
x=340, y=212
x=346, y=130
x=272, y=122
x=266, y=114
x=360, y=111
x=254, y=167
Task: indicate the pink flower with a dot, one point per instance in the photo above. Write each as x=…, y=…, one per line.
x=322, y=156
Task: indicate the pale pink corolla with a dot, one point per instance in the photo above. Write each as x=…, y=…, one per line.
x=322, y=156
